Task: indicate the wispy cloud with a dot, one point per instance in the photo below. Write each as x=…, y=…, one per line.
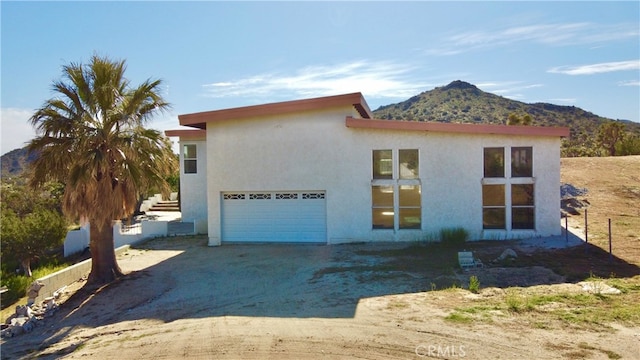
x=597, y=68
x=16, y=129
x=508, y=89
x=556, y=34
x=562, y=100
x=629, y=83
x=376, y=79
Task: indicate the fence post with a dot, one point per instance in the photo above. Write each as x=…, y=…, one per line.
x=586, y=227
x=610, y=253
x=566, y=228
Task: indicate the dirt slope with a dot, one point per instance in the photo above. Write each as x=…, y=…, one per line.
x=613, y=185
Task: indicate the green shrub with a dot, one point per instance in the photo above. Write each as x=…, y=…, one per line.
x=474, y=284
x=16, y=288
x=458, y=318
x=454, y=237
x=18, y=284
x=518, y=303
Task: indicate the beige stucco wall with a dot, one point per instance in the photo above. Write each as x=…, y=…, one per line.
x=316, y=151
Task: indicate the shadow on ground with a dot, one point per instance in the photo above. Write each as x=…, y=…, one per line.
x=193, y=280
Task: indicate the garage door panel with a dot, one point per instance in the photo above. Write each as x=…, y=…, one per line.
x=283, y=216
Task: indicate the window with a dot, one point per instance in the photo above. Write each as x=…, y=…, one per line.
x=508, y=200
x=382, y=164
x=383, y=214
x=409, y=206
x=522, y=206
x=396, y=190
x=494, y=162
x=408, y=164
x=493, y=207
x=521, y=162
x=190, y=162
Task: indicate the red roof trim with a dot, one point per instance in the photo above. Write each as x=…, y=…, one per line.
x=457, y=128
x=187, y=133
x=199, y=120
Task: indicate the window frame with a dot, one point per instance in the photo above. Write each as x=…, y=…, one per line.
x=516, y=171
x=485, y=162
x=379, y=168
x=493, y=207
x=512, y=181
x=415, y=173
x=408, y=208
x=383, y=208
x=516, y=207
x=396, y=183
x=192, y=168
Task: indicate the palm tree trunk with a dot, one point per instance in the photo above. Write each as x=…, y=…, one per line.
x=104, y=267
x=26, y=267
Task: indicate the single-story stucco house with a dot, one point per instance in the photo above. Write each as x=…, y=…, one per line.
x=323, y=170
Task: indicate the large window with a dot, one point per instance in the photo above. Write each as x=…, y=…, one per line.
x=508, y=199
x=410, y=213
x=408, y=168
x=396, y=190
x=521, y=162
x=522, y=206
x=190, y=159
x=383, y=214
x=494, y=162
x=382, y=164
x=493, y=207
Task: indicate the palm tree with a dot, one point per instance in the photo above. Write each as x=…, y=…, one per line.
x=91, y=138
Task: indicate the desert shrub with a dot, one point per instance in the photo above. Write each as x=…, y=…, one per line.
x=630, y=145
x=474, y=284
x=17, y=284
x=16, y=288
x=454, y=237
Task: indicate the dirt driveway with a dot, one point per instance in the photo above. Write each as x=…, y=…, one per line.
x=186, y=300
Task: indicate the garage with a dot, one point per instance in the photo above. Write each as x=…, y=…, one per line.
x=276, y=216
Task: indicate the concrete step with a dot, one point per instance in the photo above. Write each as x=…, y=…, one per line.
x=166, y=206
x=165, y=209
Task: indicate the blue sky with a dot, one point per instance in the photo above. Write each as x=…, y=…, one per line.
x=215, y=55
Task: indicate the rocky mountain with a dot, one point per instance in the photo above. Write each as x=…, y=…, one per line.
x=461, y=102
x=15, y=162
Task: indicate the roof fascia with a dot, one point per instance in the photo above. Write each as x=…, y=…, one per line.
x=199, y=120
x=457, y=128
x=187, y=133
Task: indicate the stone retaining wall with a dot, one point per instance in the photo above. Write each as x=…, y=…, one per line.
x=67, y=276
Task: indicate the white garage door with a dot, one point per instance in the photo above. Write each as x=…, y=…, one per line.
x=282, y=216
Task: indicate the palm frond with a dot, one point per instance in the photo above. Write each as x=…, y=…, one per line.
x=91, y=139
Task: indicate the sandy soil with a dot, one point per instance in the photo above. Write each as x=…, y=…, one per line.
x=613, y=185
x=183, y=299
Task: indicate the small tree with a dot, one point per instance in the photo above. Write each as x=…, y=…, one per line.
x=514, y=119
x=30, y=237
x=630, y=145
x=610, y=134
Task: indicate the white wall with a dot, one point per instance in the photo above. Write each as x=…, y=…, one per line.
x=76, y=240
x=316, y=151
x=193, y=187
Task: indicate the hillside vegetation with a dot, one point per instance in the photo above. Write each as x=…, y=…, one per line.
x=461, y=102
x=15, y=162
